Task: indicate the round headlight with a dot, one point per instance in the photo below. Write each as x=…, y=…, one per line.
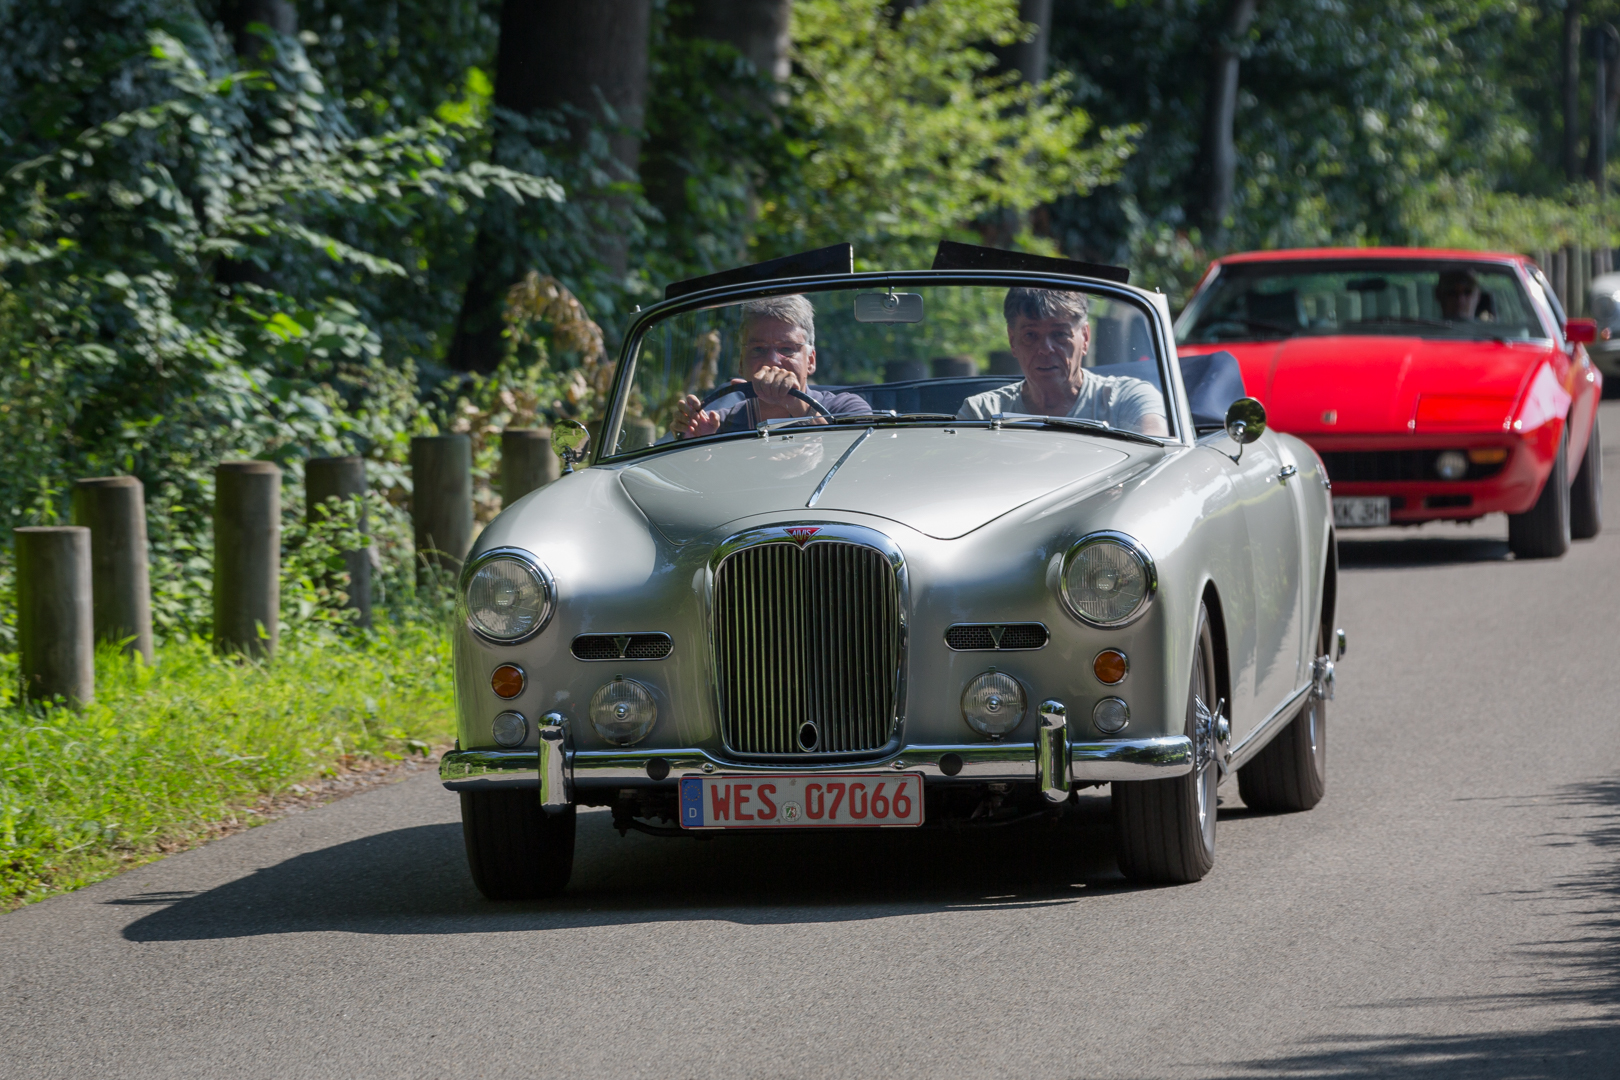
x=510, y=729
x=1107, y=580
x=993, y=703
x=623, y=711
x=1451, y=465
x=1111, y=715
x=507, y=599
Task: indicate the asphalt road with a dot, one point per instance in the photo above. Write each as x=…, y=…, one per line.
x=1449, y=910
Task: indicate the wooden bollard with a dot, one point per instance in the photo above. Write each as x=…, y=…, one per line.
x=247, y=557
x=55, y=635
x=527, y=462
x=343, y=478
x=441, y=501
x=113, y=508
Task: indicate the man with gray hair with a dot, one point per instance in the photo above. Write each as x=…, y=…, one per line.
x=1049, y=332
x=778, y=346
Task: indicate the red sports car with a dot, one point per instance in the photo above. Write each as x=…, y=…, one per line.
x=1434, y=384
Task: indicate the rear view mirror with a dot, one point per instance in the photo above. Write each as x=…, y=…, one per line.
x=568, y=441
x=1245, y=422
x=888, y=307
x=1581, y=331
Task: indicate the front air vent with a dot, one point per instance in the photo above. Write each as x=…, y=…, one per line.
x=996, y=637
x=808, y=646
x=622, y=646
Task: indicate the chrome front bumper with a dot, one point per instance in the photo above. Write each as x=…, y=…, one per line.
x=1053, y=764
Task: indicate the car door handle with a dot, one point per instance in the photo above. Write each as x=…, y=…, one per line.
x=1287, y=471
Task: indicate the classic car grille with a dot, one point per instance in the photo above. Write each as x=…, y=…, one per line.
x=1357, y=465
x=622, y=646
x=807, y=643
x=992, y=637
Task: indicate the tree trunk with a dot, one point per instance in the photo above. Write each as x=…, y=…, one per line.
x=1217, y=152
x=1028, y=58
x=756, y=28
x=1572, y=90
x=556, y=54
x=1606, y=86
x=237, y=15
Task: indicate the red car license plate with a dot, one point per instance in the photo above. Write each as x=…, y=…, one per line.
x=858, y=801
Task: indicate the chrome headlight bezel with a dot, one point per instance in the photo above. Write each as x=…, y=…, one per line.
x=1135, y=550
x=536, y=569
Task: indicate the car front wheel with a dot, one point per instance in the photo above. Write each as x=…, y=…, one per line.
x=1164, y=830
x=1290, y=772
x=1542, y=532
x=516, y=850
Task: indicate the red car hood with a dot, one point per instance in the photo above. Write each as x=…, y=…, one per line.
x=1385, y=385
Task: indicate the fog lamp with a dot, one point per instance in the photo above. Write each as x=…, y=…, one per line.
x=1111, y=715
x=1451, y=465
x=993, y=703
x=1111, y=666
x=510, y=729
x=623, y=711
x=1488, y=455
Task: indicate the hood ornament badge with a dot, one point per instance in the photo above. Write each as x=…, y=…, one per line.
x=800, y=534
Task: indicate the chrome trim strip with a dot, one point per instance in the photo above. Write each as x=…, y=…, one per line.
x=476, y=770
x=1132, y=544
x=1256, y=740
x=552, y=766
x=529, y=559
x=825, y=480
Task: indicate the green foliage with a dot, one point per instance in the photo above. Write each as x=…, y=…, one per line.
x=168, y=754
x=906, y=133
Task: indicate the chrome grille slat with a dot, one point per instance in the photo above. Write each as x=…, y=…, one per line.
x=807, y=633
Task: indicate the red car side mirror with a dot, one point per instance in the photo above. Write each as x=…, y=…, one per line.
x=1581, y=331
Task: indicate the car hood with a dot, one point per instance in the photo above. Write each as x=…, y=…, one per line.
x=1385, y=385
x=940, y=482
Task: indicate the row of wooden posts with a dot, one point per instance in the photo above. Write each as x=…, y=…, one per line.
x=87, y=582
x=1571, y=271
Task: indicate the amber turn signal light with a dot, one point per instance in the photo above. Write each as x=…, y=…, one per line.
x=1110, y=667
x=507, y=681
x=1489, y=455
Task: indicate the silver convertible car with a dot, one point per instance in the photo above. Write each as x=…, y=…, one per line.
x=897, y=550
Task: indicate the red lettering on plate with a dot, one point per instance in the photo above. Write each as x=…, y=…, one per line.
x=765, y=793
x=832, y=815
x=880, y=803
x=815, y=801
x=721, y=806
x=739, y=796
x=857, y=809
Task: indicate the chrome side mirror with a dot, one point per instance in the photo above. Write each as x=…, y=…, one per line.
x=568, y=441
x=1245, y=422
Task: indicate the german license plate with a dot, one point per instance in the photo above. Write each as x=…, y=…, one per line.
x=1360, y=511
x=849, y=801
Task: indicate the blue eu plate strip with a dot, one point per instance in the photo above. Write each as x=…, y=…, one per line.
x=692, y=803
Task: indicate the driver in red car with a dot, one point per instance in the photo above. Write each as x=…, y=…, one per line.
x=778, y=356
x=1458, y=295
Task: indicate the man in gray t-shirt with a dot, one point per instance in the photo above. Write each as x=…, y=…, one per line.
x=1049, y=332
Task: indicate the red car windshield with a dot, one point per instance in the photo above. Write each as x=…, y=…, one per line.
x=1406, y=297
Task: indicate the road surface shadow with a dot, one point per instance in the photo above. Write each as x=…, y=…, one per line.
x=1420, y=551
x=415, y=880
x=1579, y=971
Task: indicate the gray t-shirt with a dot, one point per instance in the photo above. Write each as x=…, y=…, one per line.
x=1116, y=400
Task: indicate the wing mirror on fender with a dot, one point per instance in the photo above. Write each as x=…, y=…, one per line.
x=568, y=441
x=1581, y=331
x=1245, y=422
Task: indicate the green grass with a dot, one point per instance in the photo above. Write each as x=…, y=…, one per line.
x=167, y=754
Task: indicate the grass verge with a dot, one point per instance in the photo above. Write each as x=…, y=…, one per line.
x=167, y=755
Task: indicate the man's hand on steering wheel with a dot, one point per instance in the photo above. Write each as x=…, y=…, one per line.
x=774, y=387
x=692, y=420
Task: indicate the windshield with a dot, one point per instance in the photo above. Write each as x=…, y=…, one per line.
x=1408, y=297
x=926, y=354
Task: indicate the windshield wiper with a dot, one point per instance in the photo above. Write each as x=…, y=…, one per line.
x=1090, y=427
x=887, y=416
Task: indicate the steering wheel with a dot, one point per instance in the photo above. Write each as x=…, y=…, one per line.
x=746, y=389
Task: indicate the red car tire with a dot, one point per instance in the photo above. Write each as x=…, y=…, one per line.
x=1542, y=532
x=1586, y=494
